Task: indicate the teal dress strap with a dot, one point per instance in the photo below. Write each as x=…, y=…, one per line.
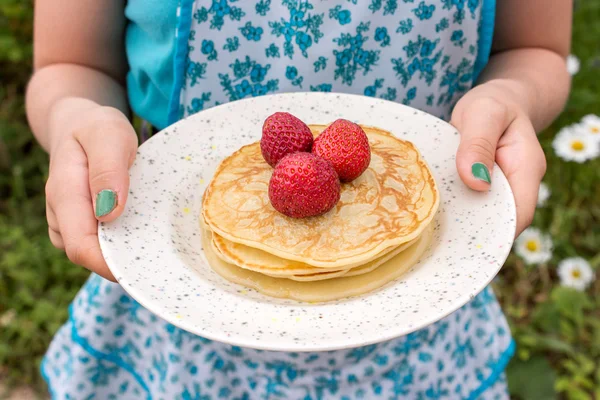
x=150, y=50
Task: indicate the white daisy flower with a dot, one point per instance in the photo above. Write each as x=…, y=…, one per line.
x=575, y=272
x=591, y=125
x=533, y=246
x=543, y=194
x=572, y=144
x=573, y=64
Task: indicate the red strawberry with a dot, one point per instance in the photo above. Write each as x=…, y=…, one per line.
x=283, y=134
x=345, y=145
x=304, y=185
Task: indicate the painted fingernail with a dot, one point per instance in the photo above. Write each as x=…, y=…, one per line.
x=481, y=172
x=106, y=201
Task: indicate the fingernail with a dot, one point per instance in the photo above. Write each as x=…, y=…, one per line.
x=481, y=172
x=106, y=201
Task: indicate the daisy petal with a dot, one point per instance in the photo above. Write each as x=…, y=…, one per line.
x=543, y=194
x=575, y=272
x=533, y=246
x=573, y=64
x=571, y=143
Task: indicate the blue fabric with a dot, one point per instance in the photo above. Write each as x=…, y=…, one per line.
x=486, y=36
x=150, y=52
x=419, y=53
x=113, y=348
x=100, y=356
x=497, y=367
x=184, y=24
x=157, y=61
x=497, y=371
x=47, y=378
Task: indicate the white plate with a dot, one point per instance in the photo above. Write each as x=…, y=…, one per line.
x=154, y=248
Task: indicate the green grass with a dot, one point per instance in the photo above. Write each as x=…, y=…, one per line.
x=558, y=348
x=36, y=281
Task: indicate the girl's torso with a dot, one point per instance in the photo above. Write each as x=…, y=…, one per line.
x=184, y=59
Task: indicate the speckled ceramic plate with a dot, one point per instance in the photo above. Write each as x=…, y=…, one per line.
x=154, y=248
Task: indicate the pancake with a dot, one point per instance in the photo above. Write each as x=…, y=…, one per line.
x=317, y=276
x=391, y=203
x=260, y=261
x=362, y=269
x=323, y=290
x=268, y=264
x=281, y=268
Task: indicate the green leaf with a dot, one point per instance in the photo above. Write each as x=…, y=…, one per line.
x=586, y=365
x=585, y=383
x=554, y=344
x=531, y=380
x=571, y=303
x=571, y=366
x=546, y=317
x=594, y=326
x=567, y=330
x=567, y=386
x=578, y=394
x=528, y=338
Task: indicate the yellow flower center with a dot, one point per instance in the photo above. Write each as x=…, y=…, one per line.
x=532, y=245
x=577, y=145
x=576, y=274
x=595, y=129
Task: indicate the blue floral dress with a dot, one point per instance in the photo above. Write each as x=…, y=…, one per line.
x=422, y=53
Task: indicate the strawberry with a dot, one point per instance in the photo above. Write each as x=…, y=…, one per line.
x=283, y=134
x=304, y=185
x=345, y=145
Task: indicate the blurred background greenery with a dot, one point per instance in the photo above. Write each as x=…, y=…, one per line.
x=557, y=328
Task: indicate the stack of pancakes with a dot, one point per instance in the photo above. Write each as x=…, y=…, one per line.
x=379, y=228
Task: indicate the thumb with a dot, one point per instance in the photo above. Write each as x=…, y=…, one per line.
x=110, y=148
x=480, y=122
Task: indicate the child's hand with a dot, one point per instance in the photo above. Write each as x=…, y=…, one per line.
x=494, y=126
x=91, y=150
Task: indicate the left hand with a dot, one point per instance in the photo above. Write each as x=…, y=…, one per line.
x=495, y=127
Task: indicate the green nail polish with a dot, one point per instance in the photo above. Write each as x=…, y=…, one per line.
x=481, y=172
x=106, y=201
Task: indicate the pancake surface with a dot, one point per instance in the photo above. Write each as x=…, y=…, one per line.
x=391, y=203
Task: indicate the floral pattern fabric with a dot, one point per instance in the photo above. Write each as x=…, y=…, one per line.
x=420, y=53
x=112, y=348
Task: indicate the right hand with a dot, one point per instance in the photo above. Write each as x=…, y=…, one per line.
x=91, y=150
